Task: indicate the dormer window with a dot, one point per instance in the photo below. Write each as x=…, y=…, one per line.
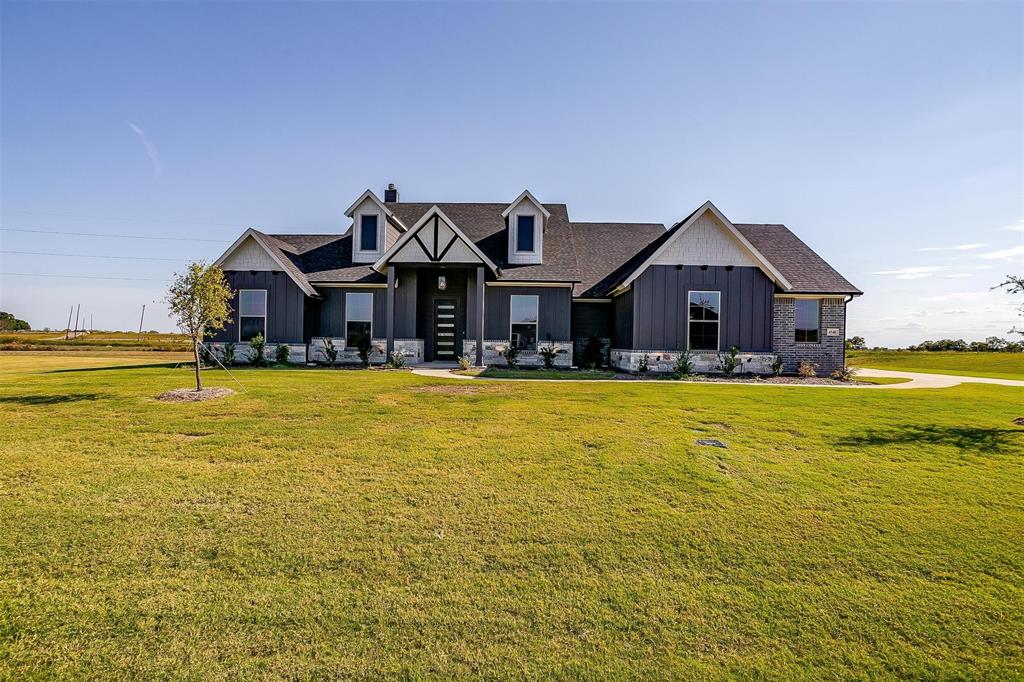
x=525, y=233
x=368, y=233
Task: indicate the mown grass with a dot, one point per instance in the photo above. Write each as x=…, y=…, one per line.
x=575, y=374
x=995, y=365
x=371, y=524
x=50, y=341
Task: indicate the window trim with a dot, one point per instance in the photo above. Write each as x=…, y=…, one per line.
x=536, y=298
x=718, y=322
x=532, y=217
x=376, y=241
x=266, y=309
x=347, y=319
x=795, y=328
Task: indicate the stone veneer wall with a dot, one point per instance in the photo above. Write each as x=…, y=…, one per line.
x=243, y=352
x=665, y=361
x=828, y=354
x=494, y=348
x=581, y=345
x=412, y=349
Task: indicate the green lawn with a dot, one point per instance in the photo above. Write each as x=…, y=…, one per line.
x=996, y=365
x=575, y=374
x=380, y=524
x=54, y=340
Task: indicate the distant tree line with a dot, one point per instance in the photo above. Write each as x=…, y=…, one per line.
x=992, y=344
x=9, y=323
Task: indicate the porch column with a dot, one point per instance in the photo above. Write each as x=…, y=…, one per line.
x=479, y=316
x=389, y=314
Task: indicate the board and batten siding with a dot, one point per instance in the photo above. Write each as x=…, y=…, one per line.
x=553, y=310
x=331, y=310
x=285, y=306
x=623, y=337
x=660, y=297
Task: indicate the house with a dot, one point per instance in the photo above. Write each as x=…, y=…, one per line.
x=436, y=281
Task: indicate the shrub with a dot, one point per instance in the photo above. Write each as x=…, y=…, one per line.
x=807, y=369
x=227, y=354
x=645, y=364
x=730, y=362
x=511, y=355
x=684, y=363
x=548, y=353
x=282, y=353
x=364, y=352
x=845, y=373
x=258, y=346
x=396, y=359
x=465, y=362
x=206, y=356
x=593, y=353
x=329, y=352
x=777, y=365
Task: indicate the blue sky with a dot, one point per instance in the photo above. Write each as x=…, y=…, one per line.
x=884, y=135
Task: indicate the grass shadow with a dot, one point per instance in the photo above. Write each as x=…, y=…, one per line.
x=153, y=365
x=51, y=399
x=961, y=437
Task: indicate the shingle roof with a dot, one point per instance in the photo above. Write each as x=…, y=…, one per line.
x=806, y=271
x=605, y=250
x=325, y=258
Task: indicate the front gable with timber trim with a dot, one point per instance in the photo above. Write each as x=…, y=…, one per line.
x=251, y=252
x=434, y=239
x=707, y=237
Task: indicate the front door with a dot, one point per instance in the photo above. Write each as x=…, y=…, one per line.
x=446, y=335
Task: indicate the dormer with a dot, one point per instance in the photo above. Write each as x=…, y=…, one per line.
x=371, y=233
x=526, y=219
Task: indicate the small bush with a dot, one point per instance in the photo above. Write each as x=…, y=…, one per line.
x=807, y=370
x=645, y=364
x=465, y=362
x=548, y=353
x=777, y=366
x=396, y=359
x=730, y=362
x=258, y=346
x=845, y=373
x=329, y=352
x=227, y=354
x=511, y=355
x=364, y=352
x=281, y=354
x=206, y=358
x=593, y=353
x=684, y=363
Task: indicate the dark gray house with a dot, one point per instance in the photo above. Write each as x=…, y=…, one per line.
x=439, y=281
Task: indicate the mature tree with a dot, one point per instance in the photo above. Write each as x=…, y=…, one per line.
x=9, y=323
x=199, y=300
x=856, y=343
x=1014, y=285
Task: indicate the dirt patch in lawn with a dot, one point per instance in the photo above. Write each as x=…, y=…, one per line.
x=452, y=390
x=191, y=395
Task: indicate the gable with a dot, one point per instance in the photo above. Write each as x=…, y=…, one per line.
x=249, y=255
x=706, y=242
x=435, y=242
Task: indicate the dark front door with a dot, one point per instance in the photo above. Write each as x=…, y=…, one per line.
x=447, y=336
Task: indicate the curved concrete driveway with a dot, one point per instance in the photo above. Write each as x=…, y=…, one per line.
x=916, y=379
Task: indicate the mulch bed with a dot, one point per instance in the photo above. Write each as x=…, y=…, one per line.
x=191, y=395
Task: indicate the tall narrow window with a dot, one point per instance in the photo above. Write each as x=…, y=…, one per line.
x=523, y=332
x=252, y=314
x=808, y=320
x=368, y=233
x=358, y=319
x=704, y=314
x=524, y=233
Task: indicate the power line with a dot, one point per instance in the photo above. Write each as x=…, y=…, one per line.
x=88, y=255
x=118, y=236
x=37, y=274
x=131, y=220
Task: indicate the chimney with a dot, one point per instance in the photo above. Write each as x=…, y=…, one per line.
x=391, y=194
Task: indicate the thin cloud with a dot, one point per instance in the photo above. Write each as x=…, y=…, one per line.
x=1005, y=254
x=154, y=157
x=958, y=247
x=918, y=272
x=1016, y=227
x=956, y=275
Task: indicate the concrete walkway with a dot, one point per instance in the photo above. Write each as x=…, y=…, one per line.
x=916, y=379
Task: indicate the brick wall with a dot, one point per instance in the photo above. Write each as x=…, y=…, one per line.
x=828, y=354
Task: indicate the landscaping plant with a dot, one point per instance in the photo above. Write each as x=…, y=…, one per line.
x=364, y=352
x=845, y=373
x=511, y=355
x=258, y=348
x=465, y=362
x=199, y=302
x=806, y=370
x=281, y=354
x=548, y=353
x=644, y=364
x=730, y=362
x=396, y=359
x=227, y=354
x=593, y=353
x=684, y=363
x=777, y=366
x=330, y=352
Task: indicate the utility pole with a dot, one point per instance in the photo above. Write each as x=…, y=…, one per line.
x=141, y=318
x=76, y=319
x=67, y=329
x=91, y=327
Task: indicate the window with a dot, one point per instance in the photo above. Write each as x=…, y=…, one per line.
x=705, y=309
x=524, y=233
x=808, y=320
x=358, y=319
x=252, y=314
x=368, y=233
x=523, y=332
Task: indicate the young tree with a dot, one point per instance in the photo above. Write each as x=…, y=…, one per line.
x=1014, y=285
x=198, y=299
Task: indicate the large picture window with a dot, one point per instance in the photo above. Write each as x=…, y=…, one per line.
x=523, y=332
x=368, y=233
x=358, y=319
x=808, y=320
x=252, y=314
x=525, y=233
x=704, y=312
